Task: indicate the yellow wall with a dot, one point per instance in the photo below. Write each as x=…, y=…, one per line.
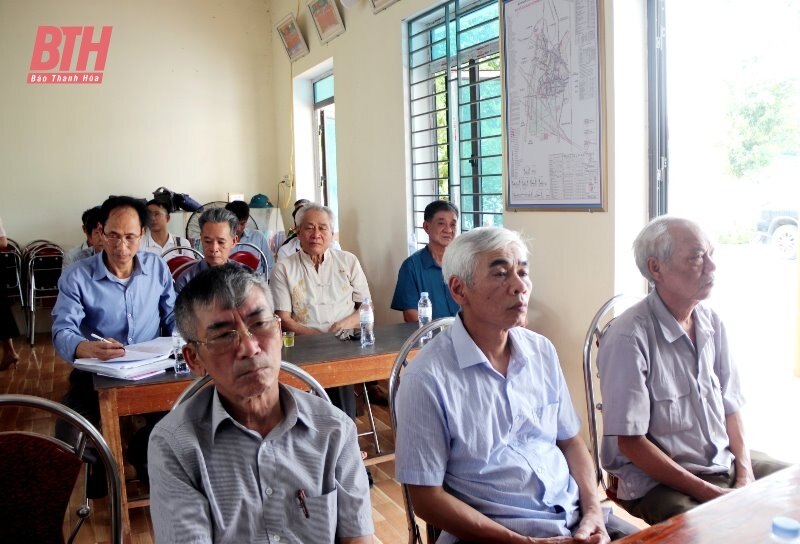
x=575, y=267
x=198, y=97
x=186, y=102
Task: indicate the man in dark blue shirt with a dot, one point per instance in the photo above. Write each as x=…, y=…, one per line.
x=422, y=271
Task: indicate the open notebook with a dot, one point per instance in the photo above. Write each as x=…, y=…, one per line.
x=139, y=361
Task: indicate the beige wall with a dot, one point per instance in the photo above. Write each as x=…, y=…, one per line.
x=186, y=102
x=575, y=266
x=198, y=97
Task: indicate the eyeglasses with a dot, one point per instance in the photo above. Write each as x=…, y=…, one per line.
x=227, y=341
x=115, y=239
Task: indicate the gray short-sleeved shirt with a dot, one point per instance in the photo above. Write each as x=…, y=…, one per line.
x=655, y=382
x=213, y=480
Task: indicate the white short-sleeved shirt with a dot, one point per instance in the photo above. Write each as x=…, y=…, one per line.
x=655, y=382
x=151, y=246
x=319, y=298
x=293, y=246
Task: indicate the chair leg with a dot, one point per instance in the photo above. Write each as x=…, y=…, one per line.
x=374, y=431
x=31, y=324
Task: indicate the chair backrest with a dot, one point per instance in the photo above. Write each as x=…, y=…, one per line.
x=181, y=252
x=400, y=362
x=179, y=263
x=314, y=386
x=249, y=259
x=45, y=263
x=597, y=328
x=38, y=473
x=11, y=273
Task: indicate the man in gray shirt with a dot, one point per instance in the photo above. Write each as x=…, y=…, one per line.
x=672, y=427
x=251, y=460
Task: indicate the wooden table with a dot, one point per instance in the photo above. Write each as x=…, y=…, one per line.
x=741, y=517
x=331, y=361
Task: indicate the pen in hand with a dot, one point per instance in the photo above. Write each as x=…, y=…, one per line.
x=98, y=337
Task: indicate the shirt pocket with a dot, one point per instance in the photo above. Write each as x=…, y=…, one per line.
x=671, y=411
x=320, y=525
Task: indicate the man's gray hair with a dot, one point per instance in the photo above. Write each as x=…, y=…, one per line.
x=460, y=257
x=219, y=215
x=656, y=241
x=225, y=287
x=314, y=207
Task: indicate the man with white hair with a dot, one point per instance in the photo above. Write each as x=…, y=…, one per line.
x=487, y=437
x=672, y=427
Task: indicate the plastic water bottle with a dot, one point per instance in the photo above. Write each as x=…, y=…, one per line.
x=367, y=318
x=425, y=314
x=785, y=530
x=177, y=351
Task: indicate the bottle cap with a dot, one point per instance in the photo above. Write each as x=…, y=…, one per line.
x=424, y=293
x=784, y=527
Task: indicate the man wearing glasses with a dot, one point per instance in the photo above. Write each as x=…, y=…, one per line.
x=249, y=459
x=120, y=295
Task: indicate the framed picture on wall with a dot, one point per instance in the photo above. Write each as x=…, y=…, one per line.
x=291, y=37
x=326, y=18
x=380, y=5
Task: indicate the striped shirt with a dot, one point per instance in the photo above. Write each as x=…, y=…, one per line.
x=490, y=440
x=213, y=480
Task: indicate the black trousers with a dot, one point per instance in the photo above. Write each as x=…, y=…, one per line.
x=8, y=326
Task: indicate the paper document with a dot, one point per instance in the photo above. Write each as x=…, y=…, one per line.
x=139, y=359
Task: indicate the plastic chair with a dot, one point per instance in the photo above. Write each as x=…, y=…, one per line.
x=45, y=263
x=180, y=250
x=400, y=362
x=313, y=385
x=11, y=266
x=178, y=265
x=591, y=376
x=39, y=472
x=250, y=259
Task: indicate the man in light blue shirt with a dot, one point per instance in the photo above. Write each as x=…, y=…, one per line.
x=242, y=212
x=121, y=295
x=487, y=438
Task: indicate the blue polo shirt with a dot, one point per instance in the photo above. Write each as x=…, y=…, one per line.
x=419, y=273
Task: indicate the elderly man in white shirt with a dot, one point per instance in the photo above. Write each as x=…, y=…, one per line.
x=319, y=289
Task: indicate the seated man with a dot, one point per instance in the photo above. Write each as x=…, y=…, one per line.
x=671, y=398
x=93, y=230
x=291, y=245
x=251, y=460
x=487, y=437
x=242, y=211
x=158, y=238
x=217, y=236
x=422, y=271
x=319, y=289
x=121, y=295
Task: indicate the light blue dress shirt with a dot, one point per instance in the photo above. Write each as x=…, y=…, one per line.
x=92, y=300
x=490, y=440
x=260, y=241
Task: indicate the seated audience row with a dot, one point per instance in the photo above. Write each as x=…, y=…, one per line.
x=487, y=439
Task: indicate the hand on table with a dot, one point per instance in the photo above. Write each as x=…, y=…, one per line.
x=100, y=350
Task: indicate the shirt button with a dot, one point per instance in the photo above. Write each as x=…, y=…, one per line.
x=276, y=538
x=268, y=491
x=130, y=315
x=130, y=340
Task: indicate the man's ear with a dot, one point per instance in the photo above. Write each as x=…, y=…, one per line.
x=457, y=289
x=426, y=226
x=191, y=357
x=654, y=267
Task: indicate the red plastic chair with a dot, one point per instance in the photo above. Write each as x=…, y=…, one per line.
x=246, y=258
x=176, y=263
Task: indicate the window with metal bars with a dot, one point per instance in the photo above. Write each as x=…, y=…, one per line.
x=455, y=112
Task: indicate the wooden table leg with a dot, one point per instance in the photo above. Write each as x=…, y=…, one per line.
x=109, y=425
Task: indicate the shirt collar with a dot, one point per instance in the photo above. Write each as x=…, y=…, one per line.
x=305, y=257
x=426, y=257
x=670, y=327
x=101, y=271
x=467, y=351
x=291, y=415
